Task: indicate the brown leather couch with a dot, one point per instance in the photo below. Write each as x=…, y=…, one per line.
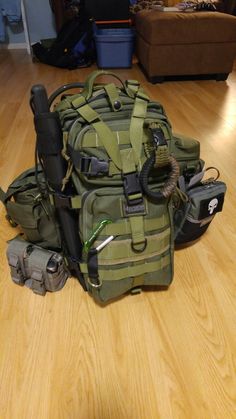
x=178, y=43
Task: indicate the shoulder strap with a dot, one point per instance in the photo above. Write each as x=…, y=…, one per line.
x=3, y=196
x=136, y=123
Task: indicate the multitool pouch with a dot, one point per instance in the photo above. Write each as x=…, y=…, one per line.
x=28, y=206
x=39, y=269
x=200, y=200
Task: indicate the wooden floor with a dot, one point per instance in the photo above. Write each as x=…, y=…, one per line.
x=167, y=354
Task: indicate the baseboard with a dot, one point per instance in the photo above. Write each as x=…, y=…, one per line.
x=17, y=45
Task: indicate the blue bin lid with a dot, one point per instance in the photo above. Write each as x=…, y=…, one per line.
x=114, y=35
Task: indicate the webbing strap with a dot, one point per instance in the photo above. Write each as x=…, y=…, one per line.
x=3, y=196
x=107, y=137
x=113, y=96
x=64, y=201
x=160, y=145
x=133, y=259
x=136, y=124
x=89, y=84
x=132, y=85
x=127, y=160
x=38, y=261
x=137, y=231
x=76, y=202
x=15, y=253
x=123, y=227
x=130, y=271
x=121, y=250
x=78, y=101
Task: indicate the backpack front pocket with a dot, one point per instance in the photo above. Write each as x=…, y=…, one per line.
x=120, y=266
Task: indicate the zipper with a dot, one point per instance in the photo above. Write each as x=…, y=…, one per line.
x=88, y=128
x=180, y=159
x=197, y=190
x=205, y=220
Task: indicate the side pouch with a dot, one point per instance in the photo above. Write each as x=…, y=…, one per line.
x=30, y=208
x=39, y=269
x=187, y=153
x=193, y=217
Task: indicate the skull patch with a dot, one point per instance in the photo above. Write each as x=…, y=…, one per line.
x=212, y=205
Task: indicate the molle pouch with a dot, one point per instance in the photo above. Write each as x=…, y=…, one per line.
x=113, y=263
x=39, y=269
x=194, y=216
x=187, y=153
x=28, y=206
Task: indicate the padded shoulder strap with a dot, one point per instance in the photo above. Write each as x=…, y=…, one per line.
x=136, y=124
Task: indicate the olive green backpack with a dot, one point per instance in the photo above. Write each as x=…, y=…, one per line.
x=123, y=163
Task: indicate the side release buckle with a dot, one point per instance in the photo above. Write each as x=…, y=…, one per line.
x=132, y=188
x=92, y=166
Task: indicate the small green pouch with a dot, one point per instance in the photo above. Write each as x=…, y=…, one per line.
x=28, y=206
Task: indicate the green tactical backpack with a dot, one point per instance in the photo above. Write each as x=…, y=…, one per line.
x=121, y=156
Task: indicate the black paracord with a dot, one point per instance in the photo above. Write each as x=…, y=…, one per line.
x=169, y=185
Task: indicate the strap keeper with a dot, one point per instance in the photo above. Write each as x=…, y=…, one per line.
x=16, y=271
x=62, y=201
x=78, y=102
x=142, y=95
x=132, y=83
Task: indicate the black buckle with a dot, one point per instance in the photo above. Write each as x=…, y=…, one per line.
x=158, y=137
x=132, y=187
x=92, y=166
x=188, y=173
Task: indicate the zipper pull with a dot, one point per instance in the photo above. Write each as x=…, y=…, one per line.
x=38, y=198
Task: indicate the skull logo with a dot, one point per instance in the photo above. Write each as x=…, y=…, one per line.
x=212, y=205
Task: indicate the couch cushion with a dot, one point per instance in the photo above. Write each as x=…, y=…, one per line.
x=168, y=28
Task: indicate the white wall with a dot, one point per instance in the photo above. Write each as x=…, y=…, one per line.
x=15, y=34
x=41, y=23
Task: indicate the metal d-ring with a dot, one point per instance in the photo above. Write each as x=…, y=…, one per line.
x=95, y=285
x=139, y=250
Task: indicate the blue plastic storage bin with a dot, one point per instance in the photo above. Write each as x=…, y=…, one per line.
x=114, y=47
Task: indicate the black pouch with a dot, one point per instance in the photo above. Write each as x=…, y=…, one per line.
x=193, y=217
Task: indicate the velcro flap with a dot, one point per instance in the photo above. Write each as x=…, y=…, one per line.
x=22, y=214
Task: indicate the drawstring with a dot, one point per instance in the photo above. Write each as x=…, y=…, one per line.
x=64, y=154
